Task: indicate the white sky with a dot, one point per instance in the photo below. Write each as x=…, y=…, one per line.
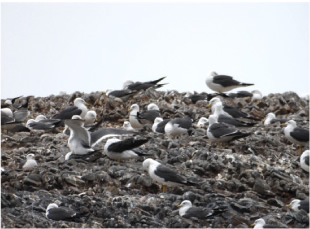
x=51, y=47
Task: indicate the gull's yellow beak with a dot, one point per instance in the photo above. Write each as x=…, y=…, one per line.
x=209, y=105
x=288, y=205
x=129, y=110
x=252, y=225
x=283, y=124
x=179, y=206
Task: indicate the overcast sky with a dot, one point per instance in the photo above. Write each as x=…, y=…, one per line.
x=87, y=47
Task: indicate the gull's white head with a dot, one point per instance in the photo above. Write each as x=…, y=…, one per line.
x=40, y=117
x=186, y=203
x=127, y=83
x=259, y=223
x=214, y=101
x=270, y=116
x=79, y=101
x=148, y=162
x=90, y=117
x=152, y=106
x=294, y=204
x=213, y=74
x=158, y=120
x=134, y=107
x=30, y=156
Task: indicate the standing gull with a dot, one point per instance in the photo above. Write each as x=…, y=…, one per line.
x=221, y=132
x=163, y=174
x=229, y=111
x=296, y=134
x=223, y=83
x=133, y=116
x=118, y=150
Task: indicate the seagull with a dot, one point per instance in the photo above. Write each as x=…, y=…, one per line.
x=148, y=116
x=137, y=86
x=7, y=116
x=127, y=126
x=159, y=125
x=224, y=118
x=227, y=110
x=178, y=126
x=188, y=211
x=304, y=160
x=30, y=163
x=271, y=118
x=42, y=123
x=240, y=94
x=222, y=132
x=223, y=83
x=79, y=140
x=296, y=134
x=297, y=205
x=257, y=95
x=133, y=117
x=90, y=117
x=79, y=108
x=163, y=174
x=118, y=150
x=59, y=213
x=120, y=94
x=202, y=122
x=260, y=223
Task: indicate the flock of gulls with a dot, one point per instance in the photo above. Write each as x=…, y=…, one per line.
x=225, y=124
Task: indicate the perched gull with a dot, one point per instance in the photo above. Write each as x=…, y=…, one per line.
x=198, y=97
x=159, y=125
x=163, y=174
x=79, y=108
x=188, y=211
x=10, y=102
x=227, y=110
x=7, y=116
x=222, y=132
x=202, y=122
x=304, y=160
x=30, y=163
x=133, y=117
x=120, y=94
x=297, y=205
x=178, y=126
x=118, y=150
x=59, y=213
x=127, y=126
x=137, y=86
x=148, y=116
x=257, y=95
x=42, y=123
x=223, y=83
x=271, y=118
x=90, y=117
x=296, y=134
x=260, y=224
x=224, y=118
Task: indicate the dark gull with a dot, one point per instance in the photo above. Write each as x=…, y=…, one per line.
x=296, y=134
x=271, y=118
x=223, y=83
x=42, y=123
x=260, y=224
x=188, y=211
x=79, y=108
x=221, y=132
x=164, y=175
x=137, y=86
x=133, y=116
x=228, y=110
x=159, y=125
x=304, y=160
x=178, y=126
x=123, y=149
x=297, y=205
x=59, y=213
